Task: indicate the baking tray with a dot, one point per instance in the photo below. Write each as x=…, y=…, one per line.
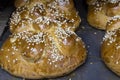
x=93, y=68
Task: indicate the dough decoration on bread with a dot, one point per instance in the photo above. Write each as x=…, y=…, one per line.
x=43, y=42
x=110, y=49
x=100, y=12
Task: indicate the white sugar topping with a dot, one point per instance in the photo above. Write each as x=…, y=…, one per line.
x=15, y=18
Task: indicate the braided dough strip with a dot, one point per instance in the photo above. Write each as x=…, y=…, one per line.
x=43, y=43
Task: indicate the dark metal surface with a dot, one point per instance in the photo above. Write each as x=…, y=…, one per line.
x=94, y=68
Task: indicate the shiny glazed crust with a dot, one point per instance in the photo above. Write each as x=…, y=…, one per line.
x=19, y=3
x=111, y=50
x=100, y=12
x=43, y=43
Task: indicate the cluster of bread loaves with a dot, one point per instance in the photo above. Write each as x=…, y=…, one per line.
x=43, y=42
x=105, y=15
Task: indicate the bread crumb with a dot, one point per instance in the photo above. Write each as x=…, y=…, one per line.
x=95, y=33
x=69, y=79
x=82, y=27
x=88, y=46
x=91, y=62
x=23, y=78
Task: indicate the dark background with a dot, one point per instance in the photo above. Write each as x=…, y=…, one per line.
x=6, y=3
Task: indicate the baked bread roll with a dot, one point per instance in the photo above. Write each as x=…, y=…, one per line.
x=19, y=3
x=111, y=45
x=43, y=43
x=100, y=12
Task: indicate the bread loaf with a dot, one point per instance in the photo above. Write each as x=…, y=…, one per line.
x=110, y=50
x=43, y=43
x=100, y=12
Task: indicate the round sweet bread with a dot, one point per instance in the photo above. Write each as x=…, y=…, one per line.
x=43, y=43
x=111, y=50
x=100, y=12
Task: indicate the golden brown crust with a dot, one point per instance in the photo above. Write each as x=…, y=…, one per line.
x=100, y=12
x=48, y=59
x=19, y=3
x=113, y=23
x=111, y=50
x=43, y=48
x=40, y=12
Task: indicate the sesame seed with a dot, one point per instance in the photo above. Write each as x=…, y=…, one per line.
x=6, y=56
x=117, y=62
x=8, y=49
x=111, y=56
x=13, y=53
x=14, y=61
x=113, y=1
x=8, y=60
x=2, y=49
x=109, y=36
